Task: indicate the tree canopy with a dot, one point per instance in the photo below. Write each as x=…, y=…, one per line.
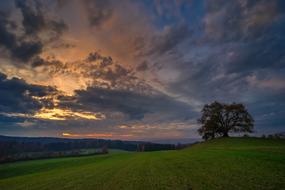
x=219, y=119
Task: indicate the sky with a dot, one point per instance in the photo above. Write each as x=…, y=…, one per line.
x=138, y=69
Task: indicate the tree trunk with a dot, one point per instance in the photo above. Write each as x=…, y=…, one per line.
x=226, y=134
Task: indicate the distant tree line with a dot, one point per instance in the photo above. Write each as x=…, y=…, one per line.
x=274, y=136
x=18, y=145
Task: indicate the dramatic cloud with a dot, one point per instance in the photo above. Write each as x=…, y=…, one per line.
x=26, y=38
x=19, y=97
x=169, y=39
x=135, y=105
x=98, y=11
x=18, y=48
x=240, y=20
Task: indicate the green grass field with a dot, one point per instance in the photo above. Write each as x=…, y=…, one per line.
x=231, y=163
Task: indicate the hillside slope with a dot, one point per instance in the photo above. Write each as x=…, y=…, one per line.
x=232, y=163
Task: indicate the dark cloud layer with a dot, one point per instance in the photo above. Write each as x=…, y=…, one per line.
x=34, y=19
x=25, y=46
x=133, y=104
x=17, y=47
x=240, y=20
x=17, y=96
x=170, y=38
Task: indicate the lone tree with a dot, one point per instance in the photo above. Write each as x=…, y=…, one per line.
x=218, y=119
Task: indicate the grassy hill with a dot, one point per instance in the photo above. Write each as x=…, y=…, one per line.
x=231, y=163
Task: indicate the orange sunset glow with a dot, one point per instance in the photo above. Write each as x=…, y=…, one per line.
x=92, y=135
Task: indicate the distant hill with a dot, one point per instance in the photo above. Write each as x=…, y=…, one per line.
x=16, y=148
x=46, y=140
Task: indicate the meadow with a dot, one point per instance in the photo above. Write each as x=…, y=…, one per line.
x=226, y=163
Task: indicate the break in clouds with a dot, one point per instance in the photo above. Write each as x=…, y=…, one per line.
x=138, y=69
